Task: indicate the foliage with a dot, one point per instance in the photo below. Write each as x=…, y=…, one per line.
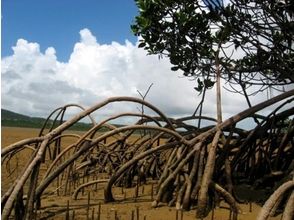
x=12, y=119
x=252, y=40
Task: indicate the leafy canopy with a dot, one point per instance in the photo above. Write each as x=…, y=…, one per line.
x=251, y=40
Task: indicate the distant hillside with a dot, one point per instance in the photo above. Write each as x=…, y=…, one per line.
x=9, y=115
x=12, y=119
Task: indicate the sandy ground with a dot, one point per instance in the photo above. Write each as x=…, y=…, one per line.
x=127, y=207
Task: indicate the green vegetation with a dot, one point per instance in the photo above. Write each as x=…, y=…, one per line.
x=242, y=38
x=12, y=119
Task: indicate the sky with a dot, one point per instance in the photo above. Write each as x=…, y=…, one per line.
x=53, y=23
x=59, y=52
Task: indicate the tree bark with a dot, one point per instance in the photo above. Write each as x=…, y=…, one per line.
x=228, y=198
x=288, y=213
x=207, y=177
x=270, y=203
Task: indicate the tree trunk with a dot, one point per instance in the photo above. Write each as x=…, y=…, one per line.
x=289, y=209
x=218, y=91
x=228, y=198
x=207, y=176
x=270, y=203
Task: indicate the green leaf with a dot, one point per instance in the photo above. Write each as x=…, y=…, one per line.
x=143, y=44
x=208, y=83
x=174, y=68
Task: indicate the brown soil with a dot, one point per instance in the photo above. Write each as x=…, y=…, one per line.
x=127, y=204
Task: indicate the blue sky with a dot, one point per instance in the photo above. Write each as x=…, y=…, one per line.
x=56, y=23
x=56, y=52
x=80, y=51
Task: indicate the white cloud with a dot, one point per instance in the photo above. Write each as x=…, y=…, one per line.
x=35, y=83
x=87, y=38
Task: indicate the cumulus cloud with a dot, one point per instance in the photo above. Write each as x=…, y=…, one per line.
x=35, y=83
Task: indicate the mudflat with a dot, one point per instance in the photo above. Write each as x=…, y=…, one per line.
x=131, y=203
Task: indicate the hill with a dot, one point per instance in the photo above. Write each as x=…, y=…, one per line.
x=12, y=119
